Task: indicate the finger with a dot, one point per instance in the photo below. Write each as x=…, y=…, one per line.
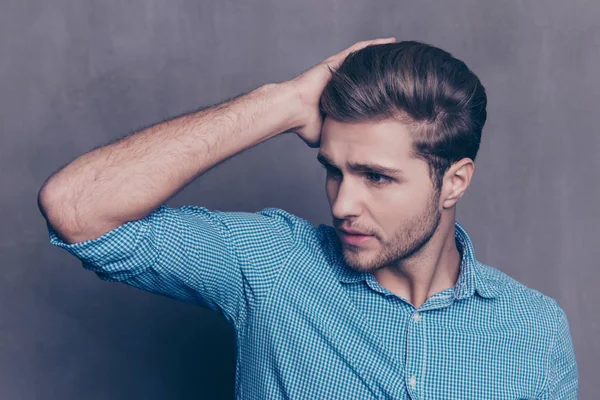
x=359, y=45
x=336, y=60
x=385, y=40
x=366, y=43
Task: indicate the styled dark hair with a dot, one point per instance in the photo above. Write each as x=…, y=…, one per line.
x=441, y=100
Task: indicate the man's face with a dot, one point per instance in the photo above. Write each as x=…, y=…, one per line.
x=400, y=210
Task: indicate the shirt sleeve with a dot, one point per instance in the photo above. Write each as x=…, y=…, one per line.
x=226, y=261
x=563, y=380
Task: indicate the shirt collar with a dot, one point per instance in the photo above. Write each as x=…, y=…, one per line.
x=473, y=277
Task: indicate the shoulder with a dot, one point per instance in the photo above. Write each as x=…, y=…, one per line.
x=521, y=301
x=297, y=228
x=268, y=222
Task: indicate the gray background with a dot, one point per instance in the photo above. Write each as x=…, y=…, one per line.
x=76, y=75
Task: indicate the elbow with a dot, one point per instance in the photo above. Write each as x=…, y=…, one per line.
x=53, y=209
x=42, y=201
x=48, y=199
x=60, y=214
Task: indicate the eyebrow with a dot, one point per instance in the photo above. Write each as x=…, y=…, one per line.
x=371, y=167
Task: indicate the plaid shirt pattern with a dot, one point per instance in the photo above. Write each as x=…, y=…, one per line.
x=309, y=327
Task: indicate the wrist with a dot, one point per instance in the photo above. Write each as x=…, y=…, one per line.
x=288, y=103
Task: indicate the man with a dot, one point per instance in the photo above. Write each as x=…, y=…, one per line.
x=390, y=302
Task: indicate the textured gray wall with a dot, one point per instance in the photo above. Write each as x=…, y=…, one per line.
x=76, y=75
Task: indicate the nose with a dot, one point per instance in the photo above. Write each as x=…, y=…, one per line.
x=346, y=200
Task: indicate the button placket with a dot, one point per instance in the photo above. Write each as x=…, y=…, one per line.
x=412, y=381
x=417, y=316
x=415, y=352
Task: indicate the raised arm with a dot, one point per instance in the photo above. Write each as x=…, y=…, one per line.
x=106, y=207
x=128, y=179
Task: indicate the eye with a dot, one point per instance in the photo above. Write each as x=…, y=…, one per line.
x=378, y=179
x=331, y=170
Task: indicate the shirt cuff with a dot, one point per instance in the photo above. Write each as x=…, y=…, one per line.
x=120, y=253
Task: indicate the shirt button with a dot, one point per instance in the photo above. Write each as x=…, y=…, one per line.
x=412, y=381
x=416, y=317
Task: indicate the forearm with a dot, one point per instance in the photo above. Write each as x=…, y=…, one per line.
x=126, y=180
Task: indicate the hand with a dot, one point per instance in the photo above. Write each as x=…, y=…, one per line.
x=309, y=87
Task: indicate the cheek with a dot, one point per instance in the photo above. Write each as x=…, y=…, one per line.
x=331, y=187
x=414, y=197
x=389, y=211
x=400, y=206
x=402, y=200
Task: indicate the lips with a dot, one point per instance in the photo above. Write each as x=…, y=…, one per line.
x=354, y=232
x=353, y=238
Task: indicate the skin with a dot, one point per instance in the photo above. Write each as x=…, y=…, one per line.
x=413, y=251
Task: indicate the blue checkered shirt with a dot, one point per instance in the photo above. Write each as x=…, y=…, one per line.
x=309, y=327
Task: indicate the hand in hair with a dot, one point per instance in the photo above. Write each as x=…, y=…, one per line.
x=309, y=86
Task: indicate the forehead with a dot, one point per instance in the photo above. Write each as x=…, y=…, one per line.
x=384, y=141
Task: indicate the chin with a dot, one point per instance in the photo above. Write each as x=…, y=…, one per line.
x=359, y=261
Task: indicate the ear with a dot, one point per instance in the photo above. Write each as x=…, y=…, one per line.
x=456, y=181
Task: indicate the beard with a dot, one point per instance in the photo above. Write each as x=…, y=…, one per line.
x=408, y=240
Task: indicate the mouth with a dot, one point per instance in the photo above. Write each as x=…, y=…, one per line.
x=354, y=239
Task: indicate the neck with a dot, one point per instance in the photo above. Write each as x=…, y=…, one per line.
x=434, y=268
